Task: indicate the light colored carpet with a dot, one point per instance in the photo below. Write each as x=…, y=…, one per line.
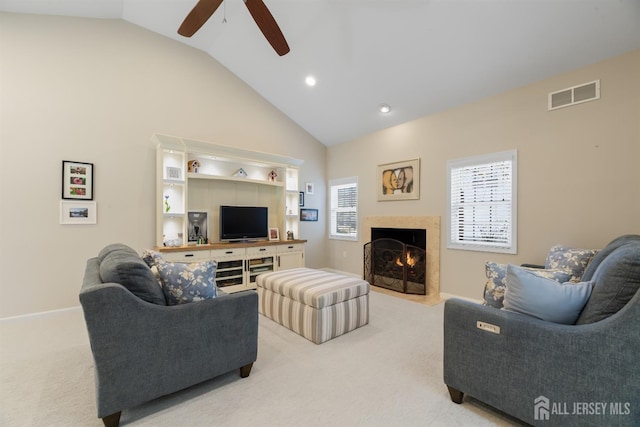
x=387, y=373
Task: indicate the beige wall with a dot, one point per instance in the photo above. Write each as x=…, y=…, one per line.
x=95, y=91
x=578, y=168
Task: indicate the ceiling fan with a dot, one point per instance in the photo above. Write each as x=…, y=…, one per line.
x=258, y=10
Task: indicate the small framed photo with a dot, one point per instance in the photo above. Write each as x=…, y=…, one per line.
x=77, y=180
x=274, y=233
x=198, y=228
x=399, y=181
x=308, y=214
x=78, y=212
x=309, y=187
x=174, y=173
x=301, y=201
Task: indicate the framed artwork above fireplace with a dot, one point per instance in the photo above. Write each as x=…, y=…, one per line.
x=399, y=180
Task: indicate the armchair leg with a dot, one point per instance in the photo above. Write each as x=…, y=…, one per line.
x=112, y=420
x=245, y=370
x=456, y=395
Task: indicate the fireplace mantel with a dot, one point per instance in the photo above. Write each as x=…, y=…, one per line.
x=429, y=223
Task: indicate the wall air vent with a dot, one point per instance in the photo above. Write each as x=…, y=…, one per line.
x=574, y=95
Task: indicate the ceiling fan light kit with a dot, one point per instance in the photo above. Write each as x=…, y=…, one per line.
x=203, y=10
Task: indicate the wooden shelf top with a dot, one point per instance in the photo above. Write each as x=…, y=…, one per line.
x=223, y=245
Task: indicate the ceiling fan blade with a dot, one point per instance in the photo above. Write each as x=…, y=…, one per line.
x=268, y=26
x=198, y=16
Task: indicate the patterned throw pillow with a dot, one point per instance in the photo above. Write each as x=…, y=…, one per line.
x=573, y=259
x=183, y=283
x=497, y=281
x=149, y=257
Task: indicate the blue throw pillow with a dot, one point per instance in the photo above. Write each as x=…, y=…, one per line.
x=183, y=283
x=546, y=299
x=497, y=281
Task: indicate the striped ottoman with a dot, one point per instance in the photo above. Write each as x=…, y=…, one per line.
x=315, y=304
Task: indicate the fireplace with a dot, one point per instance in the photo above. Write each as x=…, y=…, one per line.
x=410, y=236
x=395, y=259
x=429, y=223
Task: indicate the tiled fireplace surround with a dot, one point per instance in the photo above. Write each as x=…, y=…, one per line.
x=429, y=223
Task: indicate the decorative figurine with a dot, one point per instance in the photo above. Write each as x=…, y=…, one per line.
x=193, y=165
x=241, y=173
x=272, y=176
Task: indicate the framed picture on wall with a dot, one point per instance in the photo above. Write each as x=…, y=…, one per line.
x=77, y=180
x=399, y=180
x=301, y=201
x=308, y=214
x=309, y=188
x=78, y=212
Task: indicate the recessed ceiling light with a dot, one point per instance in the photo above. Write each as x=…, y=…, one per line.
x=384, y=108
x=310, y=81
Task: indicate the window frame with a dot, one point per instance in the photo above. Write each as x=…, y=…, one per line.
x=351, y=181
x=512, y=246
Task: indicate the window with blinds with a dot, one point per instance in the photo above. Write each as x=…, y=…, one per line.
x=344, y=208
x=482, y=202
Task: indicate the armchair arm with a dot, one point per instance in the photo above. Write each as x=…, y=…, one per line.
x=531, y=358
x=143, y=351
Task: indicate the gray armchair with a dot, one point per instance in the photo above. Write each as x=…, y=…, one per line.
x=550, y=374
x=143, y=350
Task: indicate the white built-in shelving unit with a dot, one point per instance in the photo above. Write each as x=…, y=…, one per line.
x=226, y=176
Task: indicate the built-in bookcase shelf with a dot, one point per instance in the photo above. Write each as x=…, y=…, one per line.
x=234, y=178
x=197, y=176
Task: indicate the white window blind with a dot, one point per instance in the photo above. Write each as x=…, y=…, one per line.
x=482, y=202
x=344, y=208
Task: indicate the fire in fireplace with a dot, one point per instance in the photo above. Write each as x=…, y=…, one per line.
x=394, y=264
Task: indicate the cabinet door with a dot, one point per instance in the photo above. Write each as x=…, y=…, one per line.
x=230, y=269
x=290, y=260
x=259, y=260
x=230, y=272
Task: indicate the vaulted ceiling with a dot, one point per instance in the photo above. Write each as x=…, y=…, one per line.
x=418, y=56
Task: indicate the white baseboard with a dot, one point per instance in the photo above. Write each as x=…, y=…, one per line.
x=41, y=314
x=442, y=295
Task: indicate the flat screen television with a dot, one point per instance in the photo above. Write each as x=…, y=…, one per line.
x=239, y=223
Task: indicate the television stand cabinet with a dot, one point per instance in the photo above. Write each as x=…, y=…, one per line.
x=239, y=263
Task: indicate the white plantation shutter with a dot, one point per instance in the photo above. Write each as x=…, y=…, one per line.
x=482, y=203
x=344, y=208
